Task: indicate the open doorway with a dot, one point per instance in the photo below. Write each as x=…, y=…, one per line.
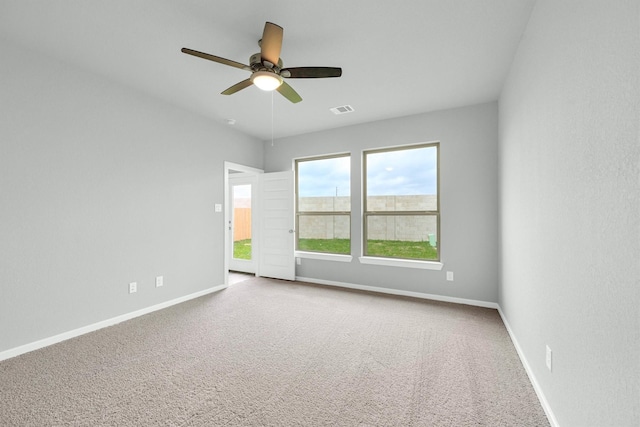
x=242, y=199
x=241, y=231
x=272, y=221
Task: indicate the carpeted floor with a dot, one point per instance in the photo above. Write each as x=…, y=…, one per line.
x=273, y=353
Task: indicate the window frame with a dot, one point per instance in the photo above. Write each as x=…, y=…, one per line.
x=305, y=253
x=400, y=261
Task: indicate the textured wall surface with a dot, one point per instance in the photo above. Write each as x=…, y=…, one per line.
x=570, y=207
x=101, y=186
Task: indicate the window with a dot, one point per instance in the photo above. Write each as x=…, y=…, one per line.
x=323, y=204
x=401, y=203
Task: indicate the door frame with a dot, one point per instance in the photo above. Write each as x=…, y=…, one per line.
x=255, y=248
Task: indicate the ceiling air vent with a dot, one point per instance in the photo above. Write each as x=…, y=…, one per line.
x=342, y=110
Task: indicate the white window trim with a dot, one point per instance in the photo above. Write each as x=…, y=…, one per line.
x=323, y=256
x=397, y=262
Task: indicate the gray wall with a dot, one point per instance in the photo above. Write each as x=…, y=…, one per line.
x=469, y=201
x=570, y=207
x=101, y=186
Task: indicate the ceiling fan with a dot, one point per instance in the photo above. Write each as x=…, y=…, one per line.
x=266, y=67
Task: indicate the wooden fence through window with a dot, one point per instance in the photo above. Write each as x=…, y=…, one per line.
x=241, y=224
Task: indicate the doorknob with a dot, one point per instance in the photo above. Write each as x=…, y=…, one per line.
x=292, y=231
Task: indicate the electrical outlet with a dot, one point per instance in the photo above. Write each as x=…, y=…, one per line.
x=159, y=281
x=548, y=358
x=299, y=261
x=133, y=287
x=450, y=276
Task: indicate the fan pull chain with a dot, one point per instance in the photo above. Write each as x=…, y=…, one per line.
x=272, y=118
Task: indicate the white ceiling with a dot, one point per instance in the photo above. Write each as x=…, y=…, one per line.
x=398, y=57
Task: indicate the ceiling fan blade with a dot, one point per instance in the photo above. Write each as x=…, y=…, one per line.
x=215, y=59
x=237, y=87
x=271, y=42
x=310, y=72
x=288, y=92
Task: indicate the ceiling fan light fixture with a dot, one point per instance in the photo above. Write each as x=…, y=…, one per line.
x=266, y=67
x=266, y=80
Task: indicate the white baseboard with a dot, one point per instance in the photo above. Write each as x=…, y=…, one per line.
x=13, y=352
x=390, y=291
x=532, y=377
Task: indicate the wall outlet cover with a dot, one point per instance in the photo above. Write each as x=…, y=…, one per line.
x=133, y=287
x=159, y=281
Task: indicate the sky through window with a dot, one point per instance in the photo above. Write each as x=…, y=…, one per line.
x=402, y=172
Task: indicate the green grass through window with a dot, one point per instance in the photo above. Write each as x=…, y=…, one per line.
x=334, y=246
x=401, y=249
x=382, y=248
x=242, y=249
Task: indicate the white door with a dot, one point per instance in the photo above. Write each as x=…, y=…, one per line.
x=241, y=220
x=276, y=257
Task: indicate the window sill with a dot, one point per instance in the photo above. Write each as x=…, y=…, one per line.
x=324, y=257
x=407, y=263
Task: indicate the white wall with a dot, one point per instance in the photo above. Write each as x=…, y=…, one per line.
x=469, y=205
x=570, y=207
x=101, y=186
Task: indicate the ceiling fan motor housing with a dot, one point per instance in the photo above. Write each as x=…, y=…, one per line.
x=257, y=64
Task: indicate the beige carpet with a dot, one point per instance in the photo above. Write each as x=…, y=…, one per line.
x=274, y=353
